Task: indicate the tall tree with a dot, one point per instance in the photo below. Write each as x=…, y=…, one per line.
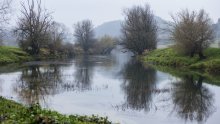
x=33, y=26
x=192, y=32
x=139, y=29
x=84, y=34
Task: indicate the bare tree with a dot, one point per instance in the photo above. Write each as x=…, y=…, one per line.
x=57, y=34
x=84, y=34
x=5, y=9
x=192, y=32
x=33, y=26
x=139, y=29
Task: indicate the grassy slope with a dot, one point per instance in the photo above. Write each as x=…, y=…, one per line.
x=14, y=113
x=12, y=55
x=168, y=57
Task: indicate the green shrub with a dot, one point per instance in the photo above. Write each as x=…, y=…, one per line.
x=14, y=113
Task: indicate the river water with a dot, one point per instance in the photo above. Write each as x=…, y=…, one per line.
x=115, y=86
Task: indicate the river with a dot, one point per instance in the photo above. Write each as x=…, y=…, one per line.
x=115, y=86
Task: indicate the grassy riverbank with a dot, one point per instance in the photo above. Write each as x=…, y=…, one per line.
x=169, y=57
x=14, y=113
x=12, y=55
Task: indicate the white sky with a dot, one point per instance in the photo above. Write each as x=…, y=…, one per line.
x=100, y=11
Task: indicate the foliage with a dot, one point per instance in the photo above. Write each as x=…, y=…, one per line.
x=192, y=32
x=104, y=45
x=12, y=55
x=169, y=57
x=11, y=112
x=139, y=29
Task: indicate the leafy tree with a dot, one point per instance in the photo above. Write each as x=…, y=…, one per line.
x=84, y=34
x=139, y=29
x=192, y=32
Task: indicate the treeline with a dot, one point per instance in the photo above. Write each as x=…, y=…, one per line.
x=191, y=31
x=39, y=35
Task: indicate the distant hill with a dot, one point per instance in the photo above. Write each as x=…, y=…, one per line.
x=113, y=28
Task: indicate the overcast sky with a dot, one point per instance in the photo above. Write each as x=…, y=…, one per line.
x=100, y=11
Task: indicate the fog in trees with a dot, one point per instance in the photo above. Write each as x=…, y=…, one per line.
x=192, y=100
x=84, y=34
x=192, y=31
x=139, y=30
x=5, y=10
x=104, y=45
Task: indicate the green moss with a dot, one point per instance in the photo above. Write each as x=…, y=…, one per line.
x=169, y=57
x=14, y=113
x=12, y=55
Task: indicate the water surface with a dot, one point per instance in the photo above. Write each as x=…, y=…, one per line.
x=115, y=86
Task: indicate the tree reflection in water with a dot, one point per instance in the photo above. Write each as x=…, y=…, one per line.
x=192, y=100
x=37, y=82
x=139, y=83
x=84, y=73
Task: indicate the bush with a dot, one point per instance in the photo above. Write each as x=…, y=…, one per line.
x=104, y=45
x=192, y=32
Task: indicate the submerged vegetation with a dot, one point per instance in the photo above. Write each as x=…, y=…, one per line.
x=11, y=112
x=169, y=57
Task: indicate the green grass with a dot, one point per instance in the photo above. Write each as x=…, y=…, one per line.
x=169, y=57
x=14, y=113
x=176, y=72
x=12, y=55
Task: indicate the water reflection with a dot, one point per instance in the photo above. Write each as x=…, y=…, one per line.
x=1, y=83
x=35, y=83
x=141, y=91
x=192, y=100
x=84, y=73
x=139, y=83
